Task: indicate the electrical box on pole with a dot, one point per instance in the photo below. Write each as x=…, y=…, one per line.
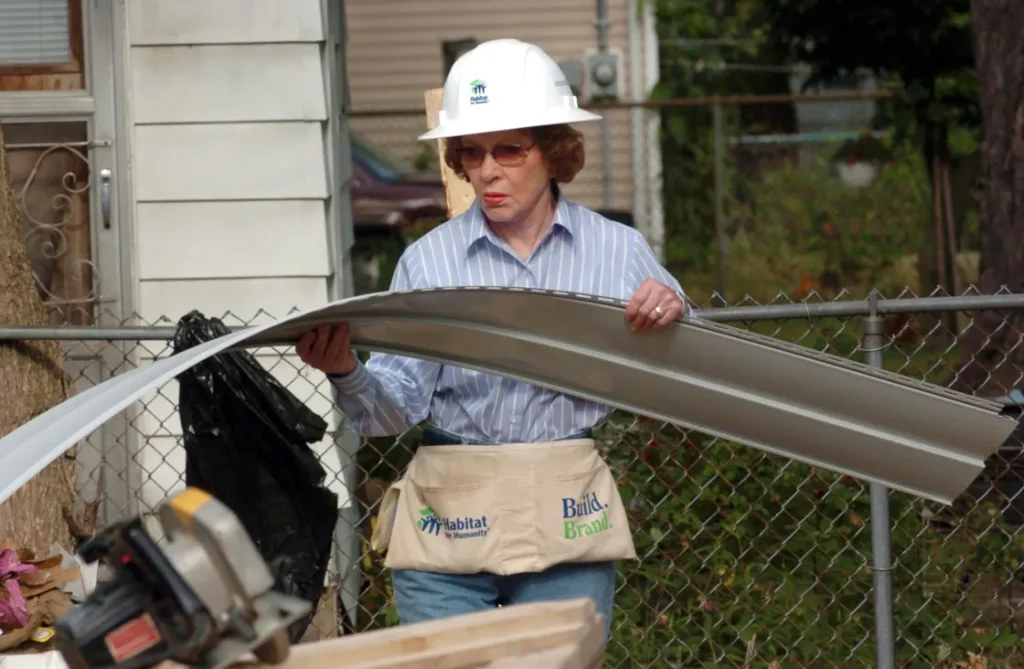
x=604, y=75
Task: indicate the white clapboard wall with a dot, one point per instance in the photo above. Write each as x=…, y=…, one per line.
x=228, y=107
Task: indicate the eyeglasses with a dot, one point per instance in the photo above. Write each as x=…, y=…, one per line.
x=506, y=155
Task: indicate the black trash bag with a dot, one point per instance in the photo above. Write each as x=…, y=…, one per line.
x=247, y=444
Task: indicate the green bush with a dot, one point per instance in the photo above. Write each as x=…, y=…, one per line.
x=798, y=223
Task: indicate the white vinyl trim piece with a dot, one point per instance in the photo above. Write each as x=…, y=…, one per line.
x=781, y=398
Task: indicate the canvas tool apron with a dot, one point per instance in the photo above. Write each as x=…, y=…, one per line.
x=508, y=509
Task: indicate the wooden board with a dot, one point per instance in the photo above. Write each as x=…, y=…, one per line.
x=459, y=193
x=545, y=635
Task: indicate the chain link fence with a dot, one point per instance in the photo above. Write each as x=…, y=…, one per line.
x=747, y=559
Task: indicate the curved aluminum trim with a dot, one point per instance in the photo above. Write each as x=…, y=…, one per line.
x=781, y=398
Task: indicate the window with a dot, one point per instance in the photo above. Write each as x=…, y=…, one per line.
x=451, y=50
x=39, y=36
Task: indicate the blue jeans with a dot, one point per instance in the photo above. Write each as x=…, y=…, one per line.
x=425, y=595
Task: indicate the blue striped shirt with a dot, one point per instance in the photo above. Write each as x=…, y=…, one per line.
x=582, y=252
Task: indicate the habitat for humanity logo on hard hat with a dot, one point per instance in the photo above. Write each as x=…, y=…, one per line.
x=478, y=92
x=469, y=527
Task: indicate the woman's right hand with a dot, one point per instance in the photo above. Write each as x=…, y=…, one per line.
x=327, y=349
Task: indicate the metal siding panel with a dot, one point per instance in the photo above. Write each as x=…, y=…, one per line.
x=237, y=301
x=268, y=82
x=778, y=397
x=819, y=409
x=394, y=55
x=223, y=21
x=207, y=240
x=251, y=161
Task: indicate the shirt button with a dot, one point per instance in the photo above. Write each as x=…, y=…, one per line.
x=512, y=419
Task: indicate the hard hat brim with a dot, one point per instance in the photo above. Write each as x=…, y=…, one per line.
x=555, y=117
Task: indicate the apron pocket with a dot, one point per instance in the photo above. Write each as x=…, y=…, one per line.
x=448, y=530
x=581, y=518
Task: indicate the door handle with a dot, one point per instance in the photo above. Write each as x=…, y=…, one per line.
x=105, y=197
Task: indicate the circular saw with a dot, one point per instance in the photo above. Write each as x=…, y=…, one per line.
x=204, y=597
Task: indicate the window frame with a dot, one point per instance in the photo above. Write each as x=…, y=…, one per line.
x=76, y=41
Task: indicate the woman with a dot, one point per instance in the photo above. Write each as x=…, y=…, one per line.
x=508, y=501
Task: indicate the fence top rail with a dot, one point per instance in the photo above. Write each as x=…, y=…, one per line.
x=675, y=103
x=883, y=306
x=737, y=314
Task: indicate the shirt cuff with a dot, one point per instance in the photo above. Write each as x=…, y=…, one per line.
x=352, y=382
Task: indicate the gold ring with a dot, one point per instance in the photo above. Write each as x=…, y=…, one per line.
x=657, y=310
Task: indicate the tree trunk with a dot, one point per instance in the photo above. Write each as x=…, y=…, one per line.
x=32, y=380
x=992, y=346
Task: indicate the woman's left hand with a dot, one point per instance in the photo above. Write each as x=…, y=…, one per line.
x=654, y=305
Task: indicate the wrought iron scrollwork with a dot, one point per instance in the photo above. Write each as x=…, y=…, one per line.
x=47, y=233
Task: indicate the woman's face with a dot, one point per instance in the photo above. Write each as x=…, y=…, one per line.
x=508, y=173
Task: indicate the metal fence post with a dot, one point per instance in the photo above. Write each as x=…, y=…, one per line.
x=881, y=546
x=719, y=144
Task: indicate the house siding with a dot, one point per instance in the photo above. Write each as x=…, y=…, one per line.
x=231, y=186
x=395, y=54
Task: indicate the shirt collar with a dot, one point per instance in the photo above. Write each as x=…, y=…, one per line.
x=480, y=233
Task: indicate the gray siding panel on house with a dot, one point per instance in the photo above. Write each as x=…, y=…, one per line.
x=394, y=55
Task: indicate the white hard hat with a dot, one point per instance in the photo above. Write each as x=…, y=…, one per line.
x=505, y=84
